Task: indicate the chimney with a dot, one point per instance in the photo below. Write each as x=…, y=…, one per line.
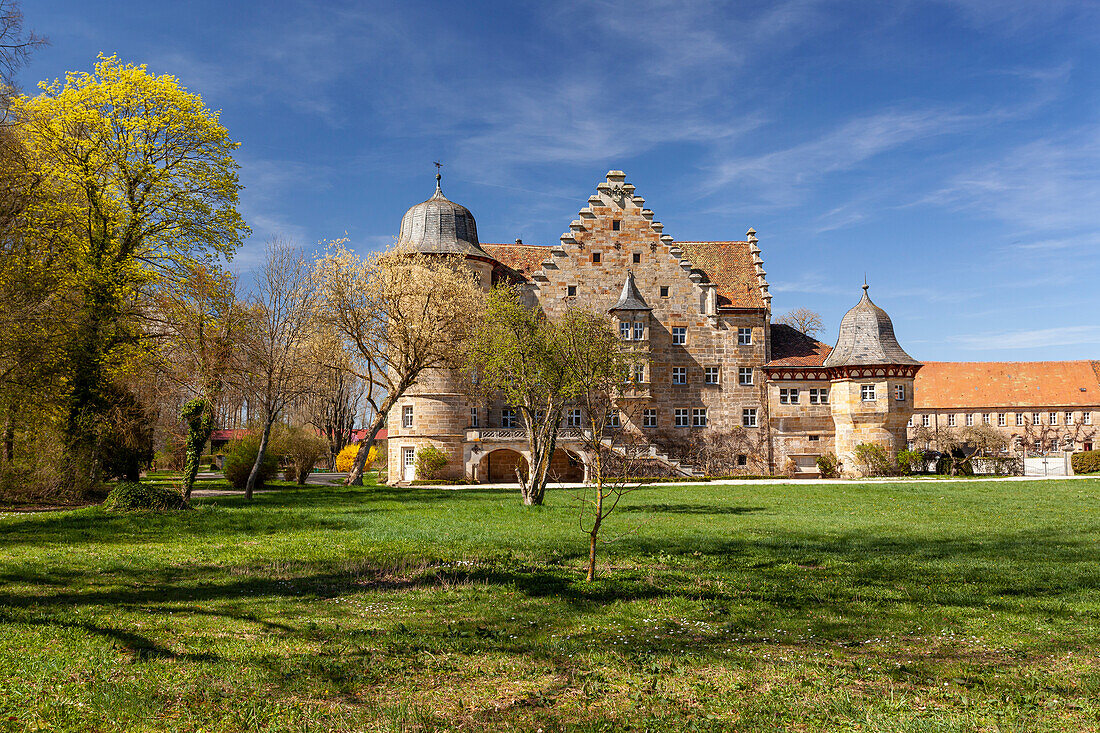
x=519, y=241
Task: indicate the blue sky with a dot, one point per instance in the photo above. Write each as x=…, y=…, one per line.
x=948, y=149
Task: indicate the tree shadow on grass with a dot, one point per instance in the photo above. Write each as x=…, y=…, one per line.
x=690, y=509
x=140, y=647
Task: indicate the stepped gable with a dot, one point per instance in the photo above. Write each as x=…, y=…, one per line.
x=791, y=347
x=867, y=339
x=1032, y=384
x=440, y=226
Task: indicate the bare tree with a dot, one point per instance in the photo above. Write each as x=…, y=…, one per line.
x=961, y=445
x=15, y=48
x=278, y=366
x=803, y=320
x=401, y=314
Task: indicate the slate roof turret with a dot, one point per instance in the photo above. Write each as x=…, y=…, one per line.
x=440, y=226
x=867, y=339
x=631, y=299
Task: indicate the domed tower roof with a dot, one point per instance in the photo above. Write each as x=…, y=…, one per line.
x=440, y=226
x=867, y=338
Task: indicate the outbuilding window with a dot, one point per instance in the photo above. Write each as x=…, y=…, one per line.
x=867, y=392
x=681, y=417
x=748, y=417
x=744, y=376
x=407, y=416
x=699, y=417
x=649, y=418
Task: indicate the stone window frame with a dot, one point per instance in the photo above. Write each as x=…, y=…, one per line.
x=985, y=418
x=407, y=416
x=1019, y=419
x=789, y=395
x=712, y=375
x=573, y=418
x=698, y=417
x=744, y=336
x=1002, y=419
x=819, y=395
x=1086, y=418
x=1053, y=418
x=616, y=225
x=679, y=335
x=639, y=330
x=624, y=330
x=899, y=392
x=664, y=291
x=595, y=258
x=649, y=417
x=508, y=417
x=745, y=376
x=969, y=419
x=636, y=258
x=951, y=420
x=639, y=374
x=682, y=373
x=613, y=419
x=570, y=291
x=742, y=459
x=475, y=420
x=926, y=420
x=1068, y=417
x=749, y=417
x=1035, y=418
x=868, y=393
x=681, y=417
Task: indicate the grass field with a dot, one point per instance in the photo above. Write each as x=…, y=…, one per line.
x=925, y=606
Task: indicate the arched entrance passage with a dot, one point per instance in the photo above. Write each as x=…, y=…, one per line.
x=566, y=467
x=499, y=466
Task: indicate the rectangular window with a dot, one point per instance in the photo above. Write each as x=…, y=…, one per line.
x=744, y=336
x=407, y=416
x=639, y=373
x=571, y=291
x=788, y=396
x=613, y=420
x=1019, y=419
x=624, y=330
x=664, y=291
x=1069, y=418
x=681, y=417
x=699, y=417
x=910, y=423
x=985, y=418
x=615, y=225
x=1054, y=444
x=1001, y=419
x=926, y=420
x=748, y=417
x=679, y=375
x=710, y=375
x=744, y=376
x=951, y=421
x=595, y=258
x=639, y=330
x=679, y=335
x=813, y=438
x=1034, y=418
x=899, y=391
x=1087, y=418
x=867, y=392
x=819, y=396
x=649, y=418
x=742, y=459
x=474, y=422
x=637, y=257
x=969, y=419
x=508, y=417
x=573, y=418
x=1053, y=418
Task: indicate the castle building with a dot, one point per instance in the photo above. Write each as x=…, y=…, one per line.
x=700, y=313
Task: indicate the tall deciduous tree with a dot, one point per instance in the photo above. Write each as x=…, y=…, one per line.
x=401, y=314
x=278, y=365
x=803, y=320
x=144, y=174
x=519, y=355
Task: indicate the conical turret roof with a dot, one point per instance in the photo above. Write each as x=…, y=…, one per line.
x=440, y=226
x=631, y=299
x=867, y=338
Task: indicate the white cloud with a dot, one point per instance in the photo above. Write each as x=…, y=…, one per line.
x=1030, y=338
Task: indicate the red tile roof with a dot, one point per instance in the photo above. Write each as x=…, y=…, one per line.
x=791, y=347
x=969, y=384
x=727, y=264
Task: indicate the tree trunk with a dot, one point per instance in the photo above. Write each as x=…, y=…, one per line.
x=592, y=536
x=254, y=474
x=9, y=438
x=355, y=475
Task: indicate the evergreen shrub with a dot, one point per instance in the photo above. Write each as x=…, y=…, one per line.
x=134, y=495
x=430, y=462
x=1086, y=461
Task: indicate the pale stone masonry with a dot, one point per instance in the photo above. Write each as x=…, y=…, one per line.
x=700, y=313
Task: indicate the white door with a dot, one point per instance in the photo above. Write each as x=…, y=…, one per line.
x=408, y=459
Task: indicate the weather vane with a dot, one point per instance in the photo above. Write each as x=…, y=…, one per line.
x=437, y=165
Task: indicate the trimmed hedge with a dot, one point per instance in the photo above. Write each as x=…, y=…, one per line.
x=133, y=495
x=1086, y=461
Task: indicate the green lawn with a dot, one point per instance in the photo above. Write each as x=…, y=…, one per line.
x=927, y=606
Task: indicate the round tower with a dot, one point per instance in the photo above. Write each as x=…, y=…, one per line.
x=437, y=409
x=872, y=384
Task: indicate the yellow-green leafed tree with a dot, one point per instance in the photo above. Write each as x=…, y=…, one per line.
x=144, y=180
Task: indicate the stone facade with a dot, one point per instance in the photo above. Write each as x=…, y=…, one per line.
x=700, y=313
